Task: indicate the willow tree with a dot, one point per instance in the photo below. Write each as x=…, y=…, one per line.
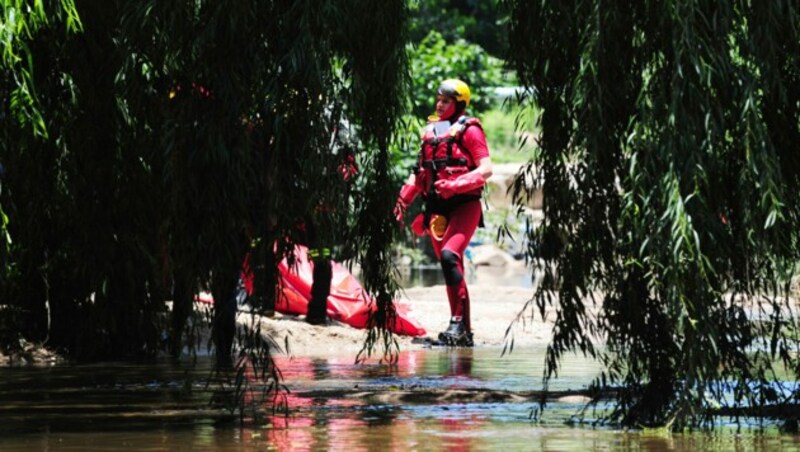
x=668, y=160
x=26, y=125
x=181, y=137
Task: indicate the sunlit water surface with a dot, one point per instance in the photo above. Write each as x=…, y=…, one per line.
x=333, y=404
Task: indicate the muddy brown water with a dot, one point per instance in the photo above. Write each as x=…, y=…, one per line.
x=431, y=399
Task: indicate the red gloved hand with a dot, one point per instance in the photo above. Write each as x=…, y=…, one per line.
x=407, y=196
x=462, y=184
x=422, y=180
x=418, y=225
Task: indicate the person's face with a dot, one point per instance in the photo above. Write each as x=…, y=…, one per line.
x=445, y=106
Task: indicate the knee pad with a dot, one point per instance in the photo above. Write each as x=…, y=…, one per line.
x=452, y=274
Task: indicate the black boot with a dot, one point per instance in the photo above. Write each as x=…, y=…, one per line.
x=456, y=334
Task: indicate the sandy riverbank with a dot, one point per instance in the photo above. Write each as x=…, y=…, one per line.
x=494, y=310
x=494, y=306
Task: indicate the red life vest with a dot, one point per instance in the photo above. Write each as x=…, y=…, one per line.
x=444, y=157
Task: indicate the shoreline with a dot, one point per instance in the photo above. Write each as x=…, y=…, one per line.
x=493, y=309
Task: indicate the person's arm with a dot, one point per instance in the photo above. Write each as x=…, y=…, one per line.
x=474, y=141
x=412, y=179
x=466, y=182
x=408, y=193
x=485, y=168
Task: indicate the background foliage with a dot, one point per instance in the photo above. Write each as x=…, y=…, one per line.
x=480, y=22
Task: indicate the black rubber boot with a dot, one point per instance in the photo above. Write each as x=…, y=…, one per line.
x=456, y=334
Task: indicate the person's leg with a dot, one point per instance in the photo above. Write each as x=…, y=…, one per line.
x=320, y=289
x=461, y=226
x=321, y=273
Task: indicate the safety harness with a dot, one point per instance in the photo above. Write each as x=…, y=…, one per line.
x=433, y=203
x=455, y=134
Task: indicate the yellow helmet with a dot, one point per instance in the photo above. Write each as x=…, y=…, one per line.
x=456, y=89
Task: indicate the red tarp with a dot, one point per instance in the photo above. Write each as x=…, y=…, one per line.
x=347, y=303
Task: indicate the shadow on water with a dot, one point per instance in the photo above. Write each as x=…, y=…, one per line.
x=432, y=399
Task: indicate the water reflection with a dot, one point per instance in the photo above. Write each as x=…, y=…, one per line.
x=438, y=399
x=421, y=276
x=431, y=275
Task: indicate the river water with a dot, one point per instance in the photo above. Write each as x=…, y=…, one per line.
x=431, y=275
x=431, y=399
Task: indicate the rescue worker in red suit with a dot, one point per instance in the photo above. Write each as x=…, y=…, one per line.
x=450, y=174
